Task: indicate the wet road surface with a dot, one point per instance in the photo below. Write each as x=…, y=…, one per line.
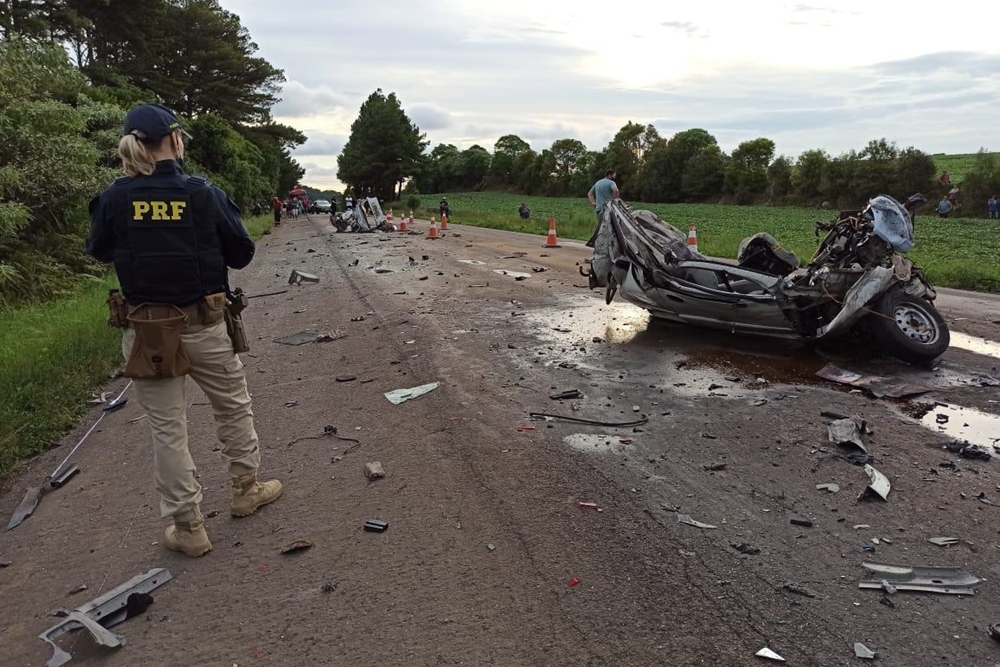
x=487, y=531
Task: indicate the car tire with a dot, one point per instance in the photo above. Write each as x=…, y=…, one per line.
x=908, y=327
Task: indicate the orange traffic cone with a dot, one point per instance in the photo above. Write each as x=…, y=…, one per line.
x=402, y=224
x=552, y=241
x=692, y=242
x=444, y=221
x=432, y=233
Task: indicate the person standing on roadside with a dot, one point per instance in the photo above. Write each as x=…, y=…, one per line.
x=600, y=194
x=277, y=206
x=171, y=238
x=443, y=208
x=993, y=208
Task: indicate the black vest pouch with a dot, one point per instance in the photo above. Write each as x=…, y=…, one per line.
x=157, y=352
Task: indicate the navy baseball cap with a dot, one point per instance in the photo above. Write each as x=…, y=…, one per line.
x=152, y=122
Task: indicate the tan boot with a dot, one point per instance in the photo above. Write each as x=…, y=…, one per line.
x=249, y=494
x=189, y=538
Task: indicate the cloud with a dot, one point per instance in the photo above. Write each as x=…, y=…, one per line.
x=429, y=116
x=687, y=27
x=315, y=171
x=299, y=100
x=321, y=143
x=484, y=70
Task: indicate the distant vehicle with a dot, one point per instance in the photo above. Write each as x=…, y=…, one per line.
x=320, y=206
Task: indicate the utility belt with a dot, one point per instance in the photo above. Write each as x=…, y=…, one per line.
x=157, y=351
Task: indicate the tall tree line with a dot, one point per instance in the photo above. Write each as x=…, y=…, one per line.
x=688, y=167
x=68, y=71
x=386, y=150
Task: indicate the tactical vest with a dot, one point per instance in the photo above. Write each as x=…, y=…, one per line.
x=167, y=247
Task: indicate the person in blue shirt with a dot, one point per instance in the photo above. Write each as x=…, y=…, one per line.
x=993, y=206
x=600, y=194
x=944, y=208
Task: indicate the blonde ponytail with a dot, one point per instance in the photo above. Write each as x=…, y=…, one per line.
x=137, y=159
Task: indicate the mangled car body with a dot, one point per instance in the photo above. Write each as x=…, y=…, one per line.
x=859, y=277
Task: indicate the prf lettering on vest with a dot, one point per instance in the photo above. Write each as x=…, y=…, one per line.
x=158, y=210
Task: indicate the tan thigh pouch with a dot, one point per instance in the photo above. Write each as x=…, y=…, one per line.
x=157, y=351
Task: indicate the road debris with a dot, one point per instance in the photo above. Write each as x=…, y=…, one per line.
x=643, y=419
x=303, y=337
x=968, y=451
x=713, y=467
x=944, y=541
x=876, y=386
x=522, y=428
x=573, y=582
x=291, y=404
x=376, y=525
x=995, y=631
x=567, y=395
x=888, y=588
x=798, y=589
x=346, y=378
x=879, y=484
x=398, y=396
x=686, y=518
x=298, y=277
x=297, y=545
x=846, y=432
x=988, y=381
x=33, y=495
x=117, y=605
x=944, y=580
x=374, y=470
x=805, y=523
x=758, y=402
x=68, y=473
x=79, y=589
x=769, y=654
x=745, y=548
x=863, y=652
x=830, y=487
x=330, y=586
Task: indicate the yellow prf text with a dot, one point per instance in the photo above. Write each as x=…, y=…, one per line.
x=158, y=210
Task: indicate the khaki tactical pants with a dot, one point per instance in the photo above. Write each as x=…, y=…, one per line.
x=219, y=372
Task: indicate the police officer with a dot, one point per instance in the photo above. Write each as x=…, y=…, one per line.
x=171, y=238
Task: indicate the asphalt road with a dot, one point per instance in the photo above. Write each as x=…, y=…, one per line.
x=490, y=558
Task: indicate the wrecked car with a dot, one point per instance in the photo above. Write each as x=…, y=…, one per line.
x=858, y=279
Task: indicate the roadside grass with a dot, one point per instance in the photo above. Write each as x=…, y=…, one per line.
x=958, y=252
x=52, y=356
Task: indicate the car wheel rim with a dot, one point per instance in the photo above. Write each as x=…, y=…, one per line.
x=916, y=324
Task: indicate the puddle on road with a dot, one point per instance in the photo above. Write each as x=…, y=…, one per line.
x=966, y=424
x=975, y=344
x=656, y=348
x=512, y=274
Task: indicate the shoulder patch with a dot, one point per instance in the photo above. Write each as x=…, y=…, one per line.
x=199, y=180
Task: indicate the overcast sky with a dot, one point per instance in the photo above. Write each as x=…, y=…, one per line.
x=817, y=74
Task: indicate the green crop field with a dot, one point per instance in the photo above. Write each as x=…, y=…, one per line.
x=957, y=166
x=957, y=252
